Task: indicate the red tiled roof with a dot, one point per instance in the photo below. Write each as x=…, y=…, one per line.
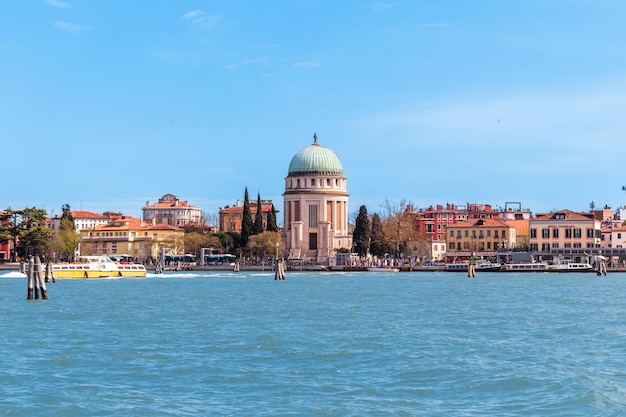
x=80, y=214
x=265, y=208
x=569, y=216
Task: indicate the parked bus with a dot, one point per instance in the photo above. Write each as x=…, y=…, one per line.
x=185, y=258
x=220, y=259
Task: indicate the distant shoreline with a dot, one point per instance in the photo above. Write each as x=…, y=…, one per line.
x=15, y=266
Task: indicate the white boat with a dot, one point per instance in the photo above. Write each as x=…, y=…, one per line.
x=525, y=267
x=481, y=265
x=563, y=266
x=97, y=267
x=567, y=266
x=382, y=269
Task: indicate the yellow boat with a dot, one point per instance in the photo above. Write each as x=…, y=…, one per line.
x=97, y=267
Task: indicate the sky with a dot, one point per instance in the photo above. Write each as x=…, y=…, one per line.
x=105, y=105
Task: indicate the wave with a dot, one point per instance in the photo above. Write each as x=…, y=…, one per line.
x=12, y=274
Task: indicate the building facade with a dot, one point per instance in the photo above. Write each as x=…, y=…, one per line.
x=315, y=205
x=231, y=217
x=481, y=237
x=131, y=236
x=564, y=229
x=173, y=211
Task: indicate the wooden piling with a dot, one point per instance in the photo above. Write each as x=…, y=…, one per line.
x=40, y=282
x=471, y=270
x=31, y=279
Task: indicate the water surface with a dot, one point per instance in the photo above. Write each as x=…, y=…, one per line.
x=317, y=344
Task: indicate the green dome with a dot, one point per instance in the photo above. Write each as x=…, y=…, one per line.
x=315, y=159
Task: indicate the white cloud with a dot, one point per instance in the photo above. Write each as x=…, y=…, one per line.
x=58, y=3
x=202, y=19
x=194, y=14
x=381, y=6
x=69, y=27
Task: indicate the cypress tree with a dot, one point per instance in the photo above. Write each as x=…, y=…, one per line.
x=378, y=244
x=362, y=232
x=246, y=221
x=271, y=220
x=257, y=228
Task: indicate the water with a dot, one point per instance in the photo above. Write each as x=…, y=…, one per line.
x=317, y=344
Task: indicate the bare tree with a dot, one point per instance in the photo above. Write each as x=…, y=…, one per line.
x=397, y=223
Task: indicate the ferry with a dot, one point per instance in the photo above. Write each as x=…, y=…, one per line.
x=526, y=267
x=567, y=266
x=481, y=265
x=563, y=266
x=97, y=267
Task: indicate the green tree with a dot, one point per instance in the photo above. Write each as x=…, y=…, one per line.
x=378, y=244
x=226, y=243
x=271, y=220
x=362, y=232
x=246, y=221
x=66, y=239
x=257, y=227
x=35, y=237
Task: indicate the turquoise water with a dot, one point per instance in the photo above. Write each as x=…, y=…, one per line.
x=317, y=344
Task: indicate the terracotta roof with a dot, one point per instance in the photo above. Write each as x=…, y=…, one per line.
x=80, y=214
x=169, y=204
x=475, y=223
x=265, y=208
x=568, y=214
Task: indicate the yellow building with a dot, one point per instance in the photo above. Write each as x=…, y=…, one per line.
x=482, y=237
x=564, y=229
x=131, y=236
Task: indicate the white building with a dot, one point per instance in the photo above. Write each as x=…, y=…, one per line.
x=173, y=211
x=315, y=205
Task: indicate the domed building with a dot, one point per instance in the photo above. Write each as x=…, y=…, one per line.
x=315, y=205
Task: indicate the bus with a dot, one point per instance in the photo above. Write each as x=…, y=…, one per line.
x=220, y=259
x=184, y=258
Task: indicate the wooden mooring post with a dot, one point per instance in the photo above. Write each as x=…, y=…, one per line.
x=280, y=271
x=36, y=282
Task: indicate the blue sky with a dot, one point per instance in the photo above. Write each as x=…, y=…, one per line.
x=105, y=105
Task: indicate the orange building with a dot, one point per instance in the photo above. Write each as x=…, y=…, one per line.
x=231, y=217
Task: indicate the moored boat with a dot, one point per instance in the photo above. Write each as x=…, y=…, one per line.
x=525, y=267
x=97, y=267
x=481, y=265
x=566, y=266
x=562, y=266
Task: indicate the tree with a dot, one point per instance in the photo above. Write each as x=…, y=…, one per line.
x=246, y=221
x=264, y=245
x=271, y=220
x=29, y=225
x=257, y=227
x=397, y=223
x=226, y=242
x=362, y=232
x=378, y=244
x=194, y=241
x=66, y=239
